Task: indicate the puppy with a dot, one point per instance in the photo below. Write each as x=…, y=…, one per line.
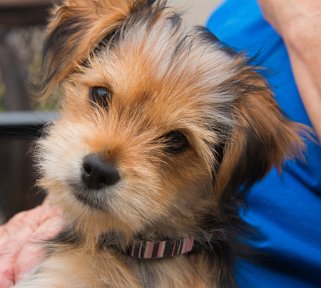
x=159, y=129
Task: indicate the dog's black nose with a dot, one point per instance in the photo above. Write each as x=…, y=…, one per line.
x=97, y=173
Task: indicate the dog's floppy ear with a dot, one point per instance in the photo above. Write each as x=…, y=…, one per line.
x=76, y=28
x=261, y=136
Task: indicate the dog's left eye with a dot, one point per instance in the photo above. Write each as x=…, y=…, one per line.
x=101, y=96
x=176, y=142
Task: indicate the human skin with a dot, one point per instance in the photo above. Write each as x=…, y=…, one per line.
x=20, y=241
x=299, y=24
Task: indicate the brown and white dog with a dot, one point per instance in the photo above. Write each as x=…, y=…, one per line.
x=160, y=127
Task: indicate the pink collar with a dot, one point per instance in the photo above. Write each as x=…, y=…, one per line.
x=161, y=249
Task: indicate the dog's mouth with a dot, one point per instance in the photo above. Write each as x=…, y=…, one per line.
x=91, y=201
x=95, y=199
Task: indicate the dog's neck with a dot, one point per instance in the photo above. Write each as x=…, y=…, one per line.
x=148, y=249
x=161, y=249
x=165, y=244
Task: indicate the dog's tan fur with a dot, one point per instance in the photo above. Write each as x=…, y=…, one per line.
x=163, y=78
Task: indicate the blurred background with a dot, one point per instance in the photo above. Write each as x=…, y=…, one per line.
x=22, y=26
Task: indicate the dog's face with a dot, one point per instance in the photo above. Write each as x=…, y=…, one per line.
x=158, y=125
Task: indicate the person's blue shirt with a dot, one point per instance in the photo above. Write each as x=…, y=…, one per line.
x=286, y=208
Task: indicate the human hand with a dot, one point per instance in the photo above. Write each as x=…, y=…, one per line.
x=20, y=242
x=299, y=24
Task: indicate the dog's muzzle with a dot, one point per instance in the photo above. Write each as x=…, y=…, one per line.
x=97, y=173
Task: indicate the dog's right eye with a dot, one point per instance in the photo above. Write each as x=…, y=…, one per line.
x=176, y=142
x=101, y=96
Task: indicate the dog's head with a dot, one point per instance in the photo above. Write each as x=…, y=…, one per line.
x=159, y=126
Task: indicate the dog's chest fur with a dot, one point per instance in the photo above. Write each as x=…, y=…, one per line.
x=109, y=269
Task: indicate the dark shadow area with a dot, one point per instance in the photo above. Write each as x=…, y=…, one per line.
x=18, y=176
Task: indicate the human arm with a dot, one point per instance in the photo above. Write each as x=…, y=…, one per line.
x=299, y=24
